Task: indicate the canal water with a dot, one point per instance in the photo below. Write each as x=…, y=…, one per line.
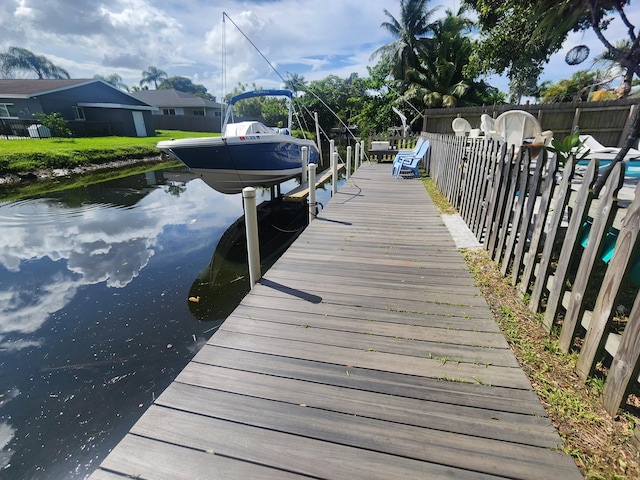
x=106, y=293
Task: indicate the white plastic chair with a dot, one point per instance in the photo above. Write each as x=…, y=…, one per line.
x=461, y=127
x=514, y=126
x=488, y=126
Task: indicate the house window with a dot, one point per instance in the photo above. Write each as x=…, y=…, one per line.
x=78, y=113
x=199, y=112
x=168, y=111
x=4, y=110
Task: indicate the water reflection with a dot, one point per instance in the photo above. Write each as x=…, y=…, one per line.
x=94, y=317
x=61, y=245
x=227, y=275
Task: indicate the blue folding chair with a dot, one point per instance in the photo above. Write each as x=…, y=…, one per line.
x=411, y=152
x=409, y=166
x=409, y=163
x=402, y=156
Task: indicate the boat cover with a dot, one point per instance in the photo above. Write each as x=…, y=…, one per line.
x=246, y=128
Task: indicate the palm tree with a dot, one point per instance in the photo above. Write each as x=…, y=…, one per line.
x=153, y=75
x=444, y=83
x=619, y=62
x=412, y=42
x=20, y=59
x=113, y=79
x=295, y=82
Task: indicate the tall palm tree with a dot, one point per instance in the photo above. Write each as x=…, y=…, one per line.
x=153, y=75
x=17, y=59
x=412, y=39
x=444, y=83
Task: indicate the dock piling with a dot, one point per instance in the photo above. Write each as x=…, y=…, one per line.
x=251, y=227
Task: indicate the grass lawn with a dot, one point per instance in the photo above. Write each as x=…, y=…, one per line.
x=33, y=154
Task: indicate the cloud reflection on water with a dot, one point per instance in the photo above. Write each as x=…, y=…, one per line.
x=7, y=432
x=89, y=244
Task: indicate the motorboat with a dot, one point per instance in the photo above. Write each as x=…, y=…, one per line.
x=248, y=152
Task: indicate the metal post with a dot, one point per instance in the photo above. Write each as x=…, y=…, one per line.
x=334, y=167
x=312, y=192
x=251, y=227
x=305, y=163
x=361, y=151
x=348, y=162
x=356, y=158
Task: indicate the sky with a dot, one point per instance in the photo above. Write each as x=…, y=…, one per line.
x=185, y=38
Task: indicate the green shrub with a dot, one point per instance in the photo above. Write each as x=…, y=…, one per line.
x=55, y=123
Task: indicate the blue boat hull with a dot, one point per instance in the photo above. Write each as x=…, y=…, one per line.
x=230, y=164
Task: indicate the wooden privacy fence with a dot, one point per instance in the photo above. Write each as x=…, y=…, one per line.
x=571, y=254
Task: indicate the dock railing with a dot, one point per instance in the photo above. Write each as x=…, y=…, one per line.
x=573, y=256
x=382, y=148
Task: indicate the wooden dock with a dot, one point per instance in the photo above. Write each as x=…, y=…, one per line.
x=365, y=352
x=301, y=192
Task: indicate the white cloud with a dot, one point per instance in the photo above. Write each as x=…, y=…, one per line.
x=22, y=11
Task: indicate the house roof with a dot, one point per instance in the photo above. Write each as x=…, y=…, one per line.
x=24, y=88
x=30, y=88
x=173, y=98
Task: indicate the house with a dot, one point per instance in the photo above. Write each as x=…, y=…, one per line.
x=178, y=110
x=91, y=107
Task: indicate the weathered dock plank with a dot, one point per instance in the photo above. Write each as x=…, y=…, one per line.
x=439, y=416
x=365, y=352
x=495, y=399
